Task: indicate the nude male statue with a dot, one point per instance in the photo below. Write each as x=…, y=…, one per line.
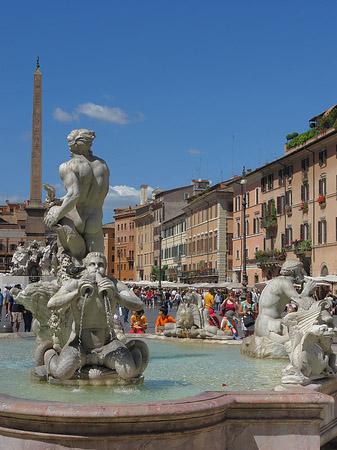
x=277, y=293
x=77, y=217
x=93, y=299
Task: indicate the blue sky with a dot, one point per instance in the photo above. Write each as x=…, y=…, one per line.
x=164, y=84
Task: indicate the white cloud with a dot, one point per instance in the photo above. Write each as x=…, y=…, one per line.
x=99, y=112
x=105, y=113
x=63, y=116
x=121, y=196
x=192, y=151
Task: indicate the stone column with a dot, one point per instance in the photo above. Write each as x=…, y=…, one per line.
x=35, y=228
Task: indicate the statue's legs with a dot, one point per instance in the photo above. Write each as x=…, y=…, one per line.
x=94, y=241
x=117, y=356
x=64, y=365
x=135, y=347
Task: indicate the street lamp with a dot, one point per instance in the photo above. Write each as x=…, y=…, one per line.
x=119, y=259
x=159, y=293
x=243, y=183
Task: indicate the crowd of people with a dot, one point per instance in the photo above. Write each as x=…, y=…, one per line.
x=228, y=304
x=228, y=309
x=13, y=311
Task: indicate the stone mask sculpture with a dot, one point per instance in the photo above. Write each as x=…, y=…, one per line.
x=86, y=345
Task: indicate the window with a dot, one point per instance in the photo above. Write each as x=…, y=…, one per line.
x=256, y=225
x=304, y=231
x=289, y=172
x=305, y=192
x=186, y=196
x=237, y=203
x=289, y=198
x=263, y=184
x=210, y=241
x=247, y=199
x=237, y=253
x=270, y=181
x=281, y=176
x=289, y=235
x=263, y=209
x=238, y=228
x=322, y=232
x=247, y=226
x=305, y=164
x=322, y=186
x=256, y=249
x=322, y=158
x=280, y=204
x=256, y=196
x=283, y=240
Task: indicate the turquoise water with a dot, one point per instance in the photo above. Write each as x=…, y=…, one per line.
x=176, y=370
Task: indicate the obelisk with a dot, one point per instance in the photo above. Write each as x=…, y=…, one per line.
x=35, y=228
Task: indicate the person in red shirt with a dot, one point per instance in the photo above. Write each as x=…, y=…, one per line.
x=163, y=319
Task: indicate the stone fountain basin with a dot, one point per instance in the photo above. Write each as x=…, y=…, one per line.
x=294, y=418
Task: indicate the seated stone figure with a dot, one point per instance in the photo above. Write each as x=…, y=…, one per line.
x=77, y=217
x=93, y=298
x=270, y=333
x=310, y=352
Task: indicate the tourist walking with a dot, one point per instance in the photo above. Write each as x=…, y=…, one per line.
x=229, y=304
x=209, y=299
x=218, y=300
x=248, y=312
x=1, y=304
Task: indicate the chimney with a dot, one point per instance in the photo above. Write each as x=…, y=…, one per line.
x=143, y=194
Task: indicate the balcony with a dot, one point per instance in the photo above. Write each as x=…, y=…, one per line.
x=270, y=258
x=269, y=223
x=130, y=258
x=302, y=247
x=288, y=210
x=321, y=200
x=202, y=273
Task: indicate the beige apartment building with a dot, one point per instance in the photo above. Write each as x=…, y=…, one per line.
x=125, y=243
x=109, y=247
x=297, y=207
x=144, y=248
x=252, y=194
x=209, y=232
x=174, y=247
x=149, y=219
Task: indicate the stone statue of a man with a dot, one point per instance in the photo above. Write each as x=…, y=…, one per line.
x=77, y=217
x=277, y=294
x=93, y=298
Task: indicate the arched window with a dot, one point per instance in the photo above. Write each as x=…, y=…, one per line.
x=324, y=271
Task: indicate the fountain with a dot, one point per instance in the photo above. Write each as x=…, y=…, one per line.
x=77, y=335
x=79, y=344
